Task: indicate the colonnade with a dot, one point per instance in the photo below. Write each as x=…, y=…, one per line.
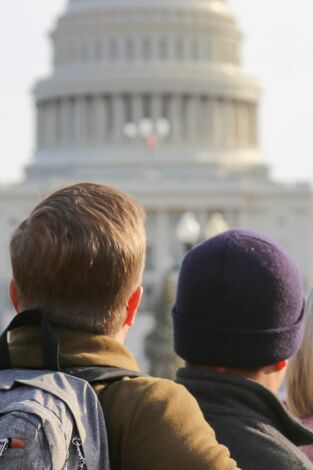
x=136, y=48
x=93, y=121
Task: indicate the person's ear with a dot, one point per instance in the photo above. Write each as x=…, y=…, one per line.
x=13, y=294
x=132, y=306
x=281, y=365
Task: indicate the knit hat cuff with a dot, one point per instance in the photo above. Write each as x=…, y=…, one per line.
x=202, y=344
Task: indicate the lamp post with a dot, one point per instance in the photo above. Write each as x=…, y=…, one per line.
x=216, y=224
x=188, y=230
x=150, y=133
x=159, y=346
x=159, y=343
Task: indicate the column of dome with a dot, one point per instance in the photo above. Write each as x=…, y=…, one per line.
x=84, y=120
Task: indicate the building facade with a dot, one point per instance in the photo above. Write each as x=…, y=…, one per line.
x=150, y=96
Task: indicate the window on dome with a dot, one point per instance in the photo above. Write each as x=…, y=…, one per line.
x=208, y=49
x=98, y=49
x=147, y=106
x=146, y=49
x=223, y=52
x=57, y=122
x=194, y=49
x=113, y=50
x=84, y=50
x=129, y=49
x=214, y=51
x=128, y=108
x=165, y=106
x=40, y=134
x=70, y=51
x=185, y=103
x=108, y=106
x=163, y=49
x=179, y=49
x=203, y=117
x=72, y=129
x=89, y=120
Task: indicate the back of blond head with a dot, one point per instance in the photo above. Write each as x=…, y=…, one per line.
x=299, y=377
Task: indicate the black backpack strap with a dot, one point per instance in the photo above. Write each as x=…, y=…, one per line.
x=50, y=351
x=102, y=374
x=49, y=339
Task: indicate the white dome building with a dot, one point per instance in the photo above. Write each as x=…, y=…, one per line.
x=118, y=62
x=150, y=96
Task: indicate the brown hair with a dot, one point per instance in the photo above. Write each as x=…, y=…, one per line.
x=79, y=255
x=299, y=374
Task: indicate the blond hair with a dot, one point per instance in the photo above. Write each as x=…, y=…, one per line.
x=299, y=376
x=79, y=255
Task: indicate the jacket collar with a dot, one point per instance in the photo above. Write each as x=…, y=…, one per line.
x=76, y=349
x=228, y=394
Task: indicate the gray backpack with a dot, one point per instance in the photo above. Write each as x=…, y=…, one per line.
x=51, y=419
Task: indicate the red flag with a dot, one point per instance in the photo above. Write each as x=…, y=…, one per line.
x=152, y=141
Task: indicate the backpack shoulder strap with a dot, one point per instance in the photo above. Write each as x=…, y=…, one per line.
x=102, y=374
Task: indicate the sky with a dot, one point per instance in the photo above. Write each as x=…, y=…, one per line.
x=278, y=51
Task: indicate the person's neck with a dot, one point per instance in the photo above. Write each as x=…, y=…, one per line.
x=266, y=376
x=121, y=335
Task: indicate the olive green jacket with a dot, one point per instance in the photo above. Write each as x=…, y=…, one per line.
x=152, y=423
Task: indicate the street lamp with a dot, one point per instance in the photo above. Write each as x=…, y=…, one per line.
x=130, y=130
x=148, y=130
x=188, y=230
x=162, y=127
x=145, y=128
x=216, y=224
x=159, y=343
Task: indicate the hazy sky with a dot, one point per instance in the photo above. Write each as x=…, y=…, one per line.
x=278, y=50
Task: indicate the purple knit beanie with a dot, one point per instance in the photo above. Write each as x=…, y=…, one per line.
x=239, y=303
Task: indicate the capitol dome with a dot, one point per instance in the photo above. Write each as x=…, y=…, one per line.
x=118, y=62
x=150, y=96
